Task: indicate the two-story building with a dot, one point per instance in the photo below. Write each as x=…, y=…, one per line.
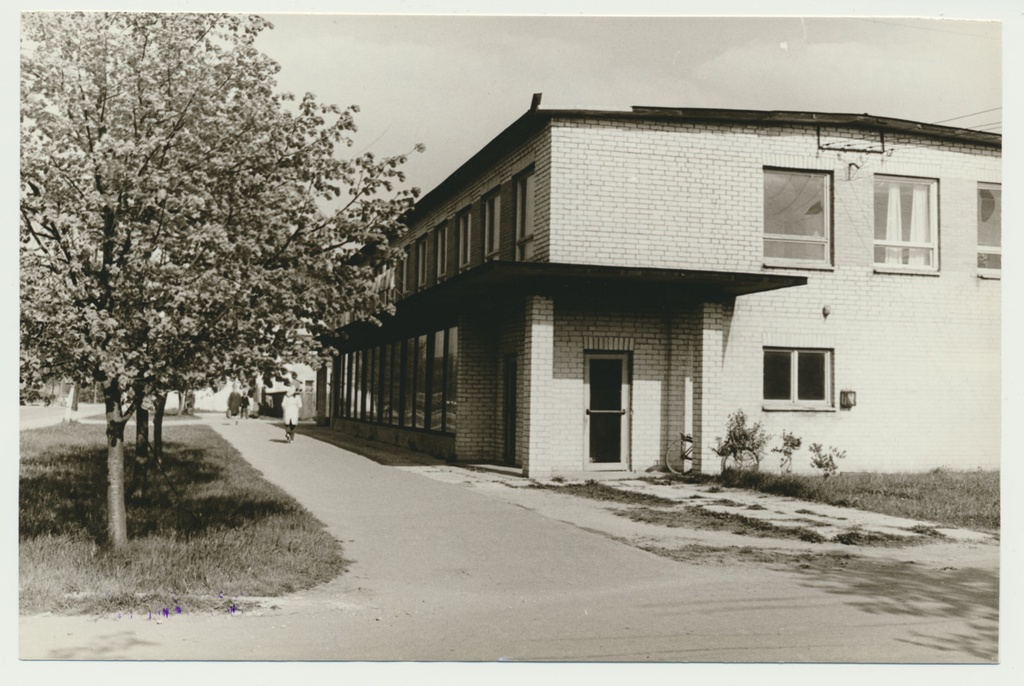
x=591, y=284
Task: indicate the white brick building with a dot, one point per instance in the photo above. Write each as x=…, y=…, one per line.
x=591, y=284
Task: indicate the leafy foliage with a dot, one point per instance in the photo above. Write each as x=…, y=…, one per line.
x=790, y=444
x=181, y=221
x=172, y=205
x=826, y=461
x=744, y=444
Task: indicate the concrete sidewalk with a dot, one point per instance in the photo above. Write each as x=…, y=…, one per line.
x=456, y=565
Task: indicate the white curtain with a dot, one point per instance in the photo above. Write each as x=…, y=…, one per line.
x=919, y=225
x=893, y=221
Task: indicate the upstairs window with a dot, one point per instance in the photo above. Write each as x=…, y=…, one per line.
x=525, y=192
x=441, y=250
x=421, y=261
x=796, y=377
x=990, y=227
x=491, y=211
x=464, y=223
x=797, y=217
x=906, y=223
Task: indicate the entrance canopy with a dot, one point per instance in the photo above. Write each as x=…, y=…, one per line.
x=489, y=284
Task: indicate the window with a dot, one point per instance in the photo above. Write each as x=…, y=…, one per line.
x=990, y=227
x=491, y=207
x=525, y=191
x=797, y=213
x=906, y=223
x=464, y=223
x=441, y=250
x=404, y=273
x=421, y=261
x=795, y=377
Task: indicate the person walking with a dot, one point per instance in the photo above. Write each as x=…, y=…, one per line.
x=291, y=404
x=243, y=407
x=234, y=401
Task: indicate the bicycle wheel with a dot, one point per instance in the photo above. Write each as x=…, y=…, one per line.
x=679, y=456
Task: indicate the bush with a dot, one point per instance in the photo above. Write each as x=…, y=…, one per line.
x=790, y=444
x=826, y=462
x=743, y=444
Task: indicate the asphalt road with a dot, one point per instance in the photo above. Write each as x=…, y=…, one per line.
x=454, y=569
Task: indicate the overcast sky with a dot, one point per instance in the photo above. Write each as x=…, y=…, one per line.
x=453, y=83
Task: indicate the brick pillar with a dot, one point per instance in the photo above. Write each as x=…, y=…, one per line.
x=681, y=344
x=478, y=434
x=534, y=442
x=709, y=411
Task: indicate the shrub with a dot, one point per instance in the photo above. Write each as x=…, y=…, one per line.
x=826, y=462
x=743, y=443
x=790, y=444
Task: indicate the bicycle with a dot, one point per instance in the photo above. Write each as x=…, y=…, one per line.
x=679, y=455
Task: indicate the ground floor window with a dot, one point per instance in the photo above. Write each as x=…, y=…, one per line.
x=410, y=383
x=797, y=377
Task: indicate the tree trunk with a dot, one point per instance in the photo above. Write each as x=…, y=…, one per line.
x=140, y=467
x=181, y=402
x=158, y=426
x=117, y=518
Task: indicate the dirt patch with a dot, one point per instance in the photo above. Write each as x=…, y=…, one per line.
x=701, y=518
x=715, y=555
x=595, y=490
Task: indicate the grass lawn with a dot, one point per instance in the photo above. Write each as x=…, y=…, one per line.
x=950, y=498
x=209, y=530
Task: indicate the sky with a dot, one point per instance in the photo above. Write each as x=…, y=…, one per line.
x=453, y=83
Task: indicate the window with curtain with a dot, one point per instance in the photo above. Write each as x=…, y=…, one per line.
x=491, y=211
x=441, y=250
x=906, y=222
x=990, y=227
x=421, y=261
x=525, y=202
x=464, y=226
x=797, y=215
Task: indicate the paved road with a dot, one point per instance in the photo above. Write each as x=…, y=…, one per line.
x=444, y=569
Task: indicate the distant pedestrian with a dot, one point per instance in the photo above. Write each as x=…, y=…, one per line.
x=243, y=407
x=234, y=402
x=291, y=404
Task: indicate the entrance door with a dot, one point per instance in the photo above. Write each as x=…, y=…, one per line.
x=607, y=389
x=509, y=411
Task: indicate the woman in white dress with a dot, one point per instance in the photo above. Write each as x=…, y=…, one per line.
x=291, y=404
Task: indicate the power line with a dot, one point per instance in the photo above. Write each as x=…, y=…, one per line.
x=991, y=123
x=925, y=28
x=964, y=116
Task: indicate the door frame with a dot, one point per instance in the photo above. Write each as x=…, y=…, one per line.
x=627, y=410
x=509, y=399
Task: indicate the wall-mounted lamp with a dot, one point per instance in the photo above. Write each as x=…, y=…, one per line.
x=847, y=399
x=826, y=311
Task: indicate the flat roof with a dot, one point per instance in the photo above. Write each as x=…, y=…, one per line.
x=536, y=119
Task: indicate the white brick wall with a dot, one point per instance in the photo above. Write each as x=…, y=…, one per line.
x=922, y=352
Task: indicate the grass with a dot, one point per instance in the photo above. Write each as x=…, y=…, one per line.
x=207, y=531
x=948, y=498
x=596, y=490
x=701, y=518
